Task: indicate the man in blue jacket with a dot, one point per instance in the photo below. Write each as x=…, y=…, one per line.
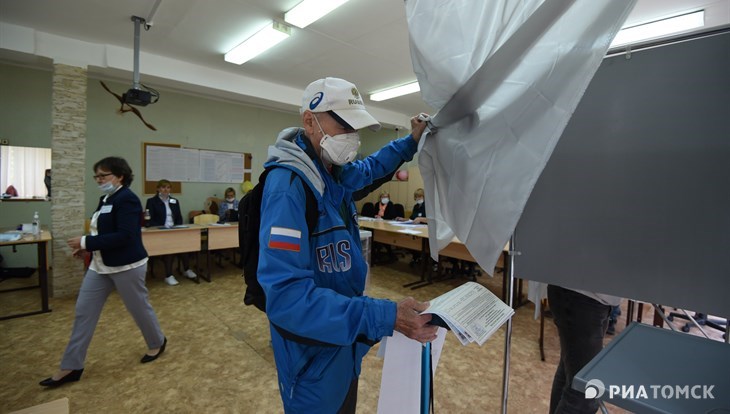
x=314, y=282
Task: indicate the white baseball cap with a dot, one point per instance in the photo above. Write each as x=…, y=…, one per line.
x=342, y=98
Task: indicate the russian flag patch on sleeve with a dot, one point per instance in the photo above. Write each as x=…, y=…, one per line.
x=285, y=239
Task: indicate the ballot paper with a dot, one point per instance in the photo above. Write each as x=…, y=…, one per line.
x=400, y=385
x=471, y=311
x=473, y=314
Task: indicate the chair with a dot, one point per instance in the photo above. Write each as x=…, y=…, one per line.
x=206, y=219
x=400, y=211
x=212, y=205
x=368, y=210
x=702, y=319
x=192, y=214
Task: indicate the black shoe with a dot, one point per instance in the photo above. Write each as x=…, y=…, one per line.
x=611, y=328
x=72, y=376
x=149, y=358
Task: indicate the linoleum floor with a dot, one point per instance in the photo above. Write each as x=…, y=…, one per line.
x=218, y=358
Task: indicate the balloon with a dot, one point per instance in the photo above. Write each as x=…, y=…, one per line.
x=402, y=175
x=246, y=186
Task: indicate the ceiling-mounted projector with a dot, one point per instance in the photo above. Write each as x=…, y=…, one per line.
x=137, y=97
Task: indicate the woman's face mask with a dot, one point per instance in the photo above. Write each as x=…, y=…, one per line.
x=385, y=200
x=107, y=188
x=339, y=149
x=419, y=201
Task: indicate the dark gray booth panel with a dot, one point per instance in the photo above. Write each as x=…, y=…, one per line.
x=637, y=376
x=635, y=200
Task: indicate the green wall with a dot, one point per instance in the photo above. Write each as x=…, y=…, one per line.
x=25, y=107
x=187, y=120
x=25, y=121
x=192, y=122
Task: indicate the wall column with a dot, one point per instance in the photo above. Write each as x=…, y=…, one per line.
x=68, y=157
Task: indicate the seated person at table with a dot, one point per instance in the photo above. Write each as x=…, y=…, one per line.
x=419, y=209
x=228, y=210
x=418, y=216
x=165, y=211
x=384, y=208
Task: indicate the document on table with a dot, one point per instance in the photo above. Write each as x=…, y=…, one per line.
x=407, y=223
x=9, y=237
x=409, y=231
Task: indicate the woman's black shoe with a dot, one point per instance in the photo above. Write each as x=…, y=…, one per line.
x=149, y=358
x=72, y=376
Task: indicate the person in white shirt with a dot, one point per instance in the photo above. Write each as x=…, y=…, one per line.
x=164, y=211
x=118, y=262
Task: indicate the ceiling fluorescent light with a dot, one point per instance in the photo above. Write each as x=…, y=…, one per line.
x=269, y=36
x=659, y=28
x=394, y=92
x=309, y=11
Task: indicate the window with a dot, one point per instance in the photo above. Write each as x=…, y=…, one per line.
x=25, y=169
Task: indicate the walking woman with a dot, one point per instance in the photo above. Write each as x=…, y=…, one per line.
x=118, y=261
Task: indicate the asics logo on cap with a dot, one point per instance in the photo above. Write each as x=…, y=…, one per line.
x=316, y=100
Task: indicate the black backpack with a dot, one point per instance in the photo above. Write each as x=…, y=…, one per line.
x=249, y=214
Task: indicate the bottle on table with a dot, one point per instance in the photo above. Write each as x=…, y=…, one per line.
x=36, y=224
x=147, y=218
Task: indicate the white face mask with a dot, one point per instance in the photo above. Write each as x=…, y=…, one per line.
x=231, y=199
x=339, y=149
x=385, y=200
x=419, y=201
x=107, y=188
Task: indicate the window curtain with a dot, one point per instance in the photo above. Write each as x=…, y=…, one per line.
x=24, y=168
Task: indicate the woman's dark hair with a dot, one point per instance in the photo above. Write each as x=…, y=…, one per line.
x=117, y=166
x=229, y=190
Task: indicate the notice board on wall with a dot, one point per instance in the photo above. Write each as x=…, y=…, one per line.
x=177, y=164
x=150, y=183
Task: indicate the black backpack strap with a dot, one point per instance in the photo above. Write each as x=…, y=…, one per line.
x=311, y=213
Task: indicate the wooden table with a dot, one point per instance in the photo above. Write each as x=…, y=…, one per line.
x=193, y=238
x=41, y=242
x=416, y=238
x=222, y=236
x=219, y=236
x=161, y=241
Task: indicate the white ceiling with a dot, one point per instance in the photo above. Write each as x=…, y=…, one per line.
x=364, y=41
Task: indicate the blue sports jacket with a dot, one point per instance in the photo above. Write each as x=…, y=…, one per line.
x=314, y=283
